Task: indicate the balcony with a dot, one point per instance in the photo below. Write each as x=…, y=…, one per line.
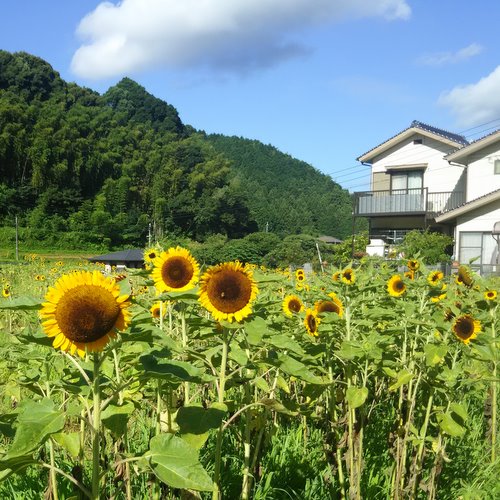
x=406, y=202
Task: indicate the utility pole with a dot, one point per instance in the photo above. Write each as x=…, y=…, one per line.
x=17, y=240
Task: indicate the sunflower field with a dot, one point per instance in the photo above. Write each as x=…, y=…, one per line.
x=235, y=381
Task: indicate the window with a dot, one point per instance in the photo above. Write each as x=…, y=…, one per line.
x=410, y=179
x=497, y=167
x=417, y=141
x=480, y=248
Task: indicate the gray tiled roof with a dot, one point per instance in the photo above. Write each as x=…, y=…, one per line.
x=130, y=255
x=449, y=135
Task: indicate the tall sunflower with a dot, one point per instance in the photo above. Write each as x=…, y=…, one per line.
x=312, y=322
x=463, y=277
x=466, y=328
x=150, y=254
x=158, y=309
x=175, y=270
x=327, y=306
x=83, y=311
x=292, y=305
x=490, y=294
x=336, y=276
x=396, y=286
x=348, y=276
x=227, y=291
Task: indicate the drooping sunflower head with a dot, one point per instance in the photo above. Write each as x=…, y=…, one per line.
x=466, y=328
x=413, y=265
x=330, y=306
x=348, y=276
x=175, y=270
x=83, y=311
x=442, y=295
x=463, y=277
x=490, y=294
x=227, y=291
x=434, y=278
x=312, y=322
x=396, y=286
x=292, y=305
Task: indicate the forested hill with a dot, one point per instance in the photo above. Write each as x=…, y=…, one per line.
x=287, y=194
x=94, y=168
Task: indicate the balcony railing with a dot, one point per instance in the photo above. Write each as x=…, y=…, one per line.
x=406, y=202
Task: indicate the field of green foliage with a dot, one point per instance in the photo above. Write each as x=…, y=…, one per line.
x=235, y=381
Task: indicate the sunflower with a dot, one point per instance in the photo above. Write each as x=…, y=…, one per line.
x=326, y=306
x=299, y=272
x=441, y=296
x=410, y=275
x=434, y=278
x=300, y=277
x=311, y=322
x=227, y=290
x=175, y=271
x=292, y=304
x=466, y=328
x=6, y=291
x=395, y=286
x=83, y=311
x=490, y=294
x=413, y=265
x=150, y=254
x=336, y=276
x=348, y=276
x=157, y=309
x=463, y=277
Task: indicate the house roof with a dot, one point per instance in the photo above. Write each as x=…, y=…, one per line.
x=416, y=127
x=475, y=146
x=470, y=205
x=130, y=255
x=329, y=239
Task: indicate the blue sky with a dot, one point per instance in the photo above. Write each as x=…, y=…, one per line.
x=321, y=80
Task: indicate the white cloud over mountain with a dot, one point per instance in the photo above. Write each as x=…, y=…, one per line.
x=475, y=103
x=232, y=35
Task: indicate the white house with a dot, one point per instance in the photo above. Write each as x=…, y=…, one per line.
x=426, y=177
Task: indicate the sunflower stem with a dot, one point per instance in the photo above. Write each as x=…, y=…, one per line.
x=222, y=384
x=53, y=477
x=96, y=429
x=184, y=347
x=494, y=392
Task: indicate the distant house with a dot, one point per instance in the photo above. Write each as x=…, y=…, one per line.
x=330, y=240
x=132, y=258
x=425, y=177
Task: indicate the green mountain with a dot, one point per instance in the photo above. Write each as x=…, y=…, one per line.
x=93, y=169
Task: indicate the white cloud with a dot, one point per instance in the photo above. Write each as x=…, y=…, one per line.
x=442, y=58
x=235, y=35
x=475, y=103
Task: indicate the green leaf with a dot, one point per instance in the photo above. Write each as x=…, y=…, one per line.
x=36, y=422
x=274, y=404
x=261, y=383
x=115, y=417
x=22, y=303
x=285, y=342
x=70, y=441
x=255, y=329
x=199, y=420
x=460, y=410
x=297, y=369
x=434, y=354
x=449, y=425
x=350, y=350
x=404, y=376
x=158, y=364
x=176, y=463
x=356, y=396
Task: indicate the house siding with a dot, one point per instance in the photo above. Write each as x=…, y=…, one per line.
x=481, y=178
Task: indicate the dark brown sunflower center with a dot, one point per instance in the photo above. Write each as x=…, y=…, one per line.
x=151, y=255
x=229, y=291
x=311, y=323
x=294, y=305
x=348, y=275
x=398, y=286
x=328, y=306
x=464, y=328
x=177, y=272
x=86, y=313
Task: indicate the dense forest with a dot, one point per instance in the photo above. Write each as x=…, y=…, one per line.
x=104, y=170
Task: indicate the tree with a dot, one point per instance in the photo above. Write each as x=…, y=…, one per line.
x=429, y=246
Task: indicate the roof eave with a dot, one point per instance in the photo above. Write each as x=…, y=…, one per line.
x=473, y=148
x=472, y=205
x=365, y=158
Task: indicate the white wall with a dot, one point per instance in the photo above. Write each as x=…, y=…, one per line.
x=439, y=176
x=481, y=178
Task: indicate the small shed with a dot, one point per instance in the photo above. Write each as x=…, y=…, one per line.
x=132, y=258
x=330, y=240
